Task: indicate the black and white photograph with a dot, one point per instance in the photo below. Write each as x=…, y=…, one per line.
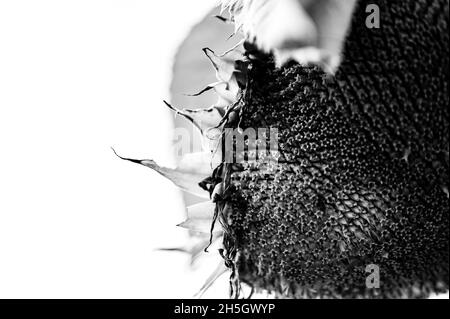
x=224, y=155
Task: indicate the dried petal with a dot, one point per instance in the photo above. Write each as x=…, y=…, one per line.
x=227, y=91
x=186, y=178
x=200, y=218
x=224, y=67
x=196, y=246
x=201, y=118
x=203, y=210
x=220, y=270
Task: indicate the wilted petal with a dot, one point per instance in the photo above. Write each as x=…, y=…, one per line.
x=224, y=67
x=206, y=121
x=227, y=91
x=200, y=225
x=201, y=118
x=237, y=54
x=196, y=246
x=210, y=87
x=200, y=218
x=186, y=179
x=223, y=19
x=203, y=210
x=220, y=270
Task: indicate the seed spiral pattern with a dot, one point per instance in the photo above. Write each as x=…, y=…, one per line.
x=364, y=167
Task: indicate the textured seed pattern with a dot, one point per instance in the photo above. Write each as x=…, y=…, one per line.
x=364, y=167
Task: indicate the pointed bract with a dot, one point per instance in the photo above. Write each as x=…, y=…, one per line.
x=199, y=225
x=201, y=118
x=200, y=218
x=227, y=91
x=209, y=87
x=186, y=179
x=206, y=121
x=237, y=54
x=203, y=210
x=196, y=246
x=224, y=68
x=219, y=271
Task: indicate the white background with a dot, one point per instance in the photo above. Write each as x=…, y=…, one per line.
x=77, y=77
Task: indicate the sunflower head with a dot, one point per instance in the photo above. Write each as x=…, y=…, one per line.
x=355, y=185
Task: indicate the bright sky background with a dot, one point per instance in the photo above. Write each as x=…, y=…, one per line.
x=77, y=77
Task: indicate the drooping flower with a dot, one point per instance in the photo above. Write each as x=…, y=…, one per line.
x=362, y=178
